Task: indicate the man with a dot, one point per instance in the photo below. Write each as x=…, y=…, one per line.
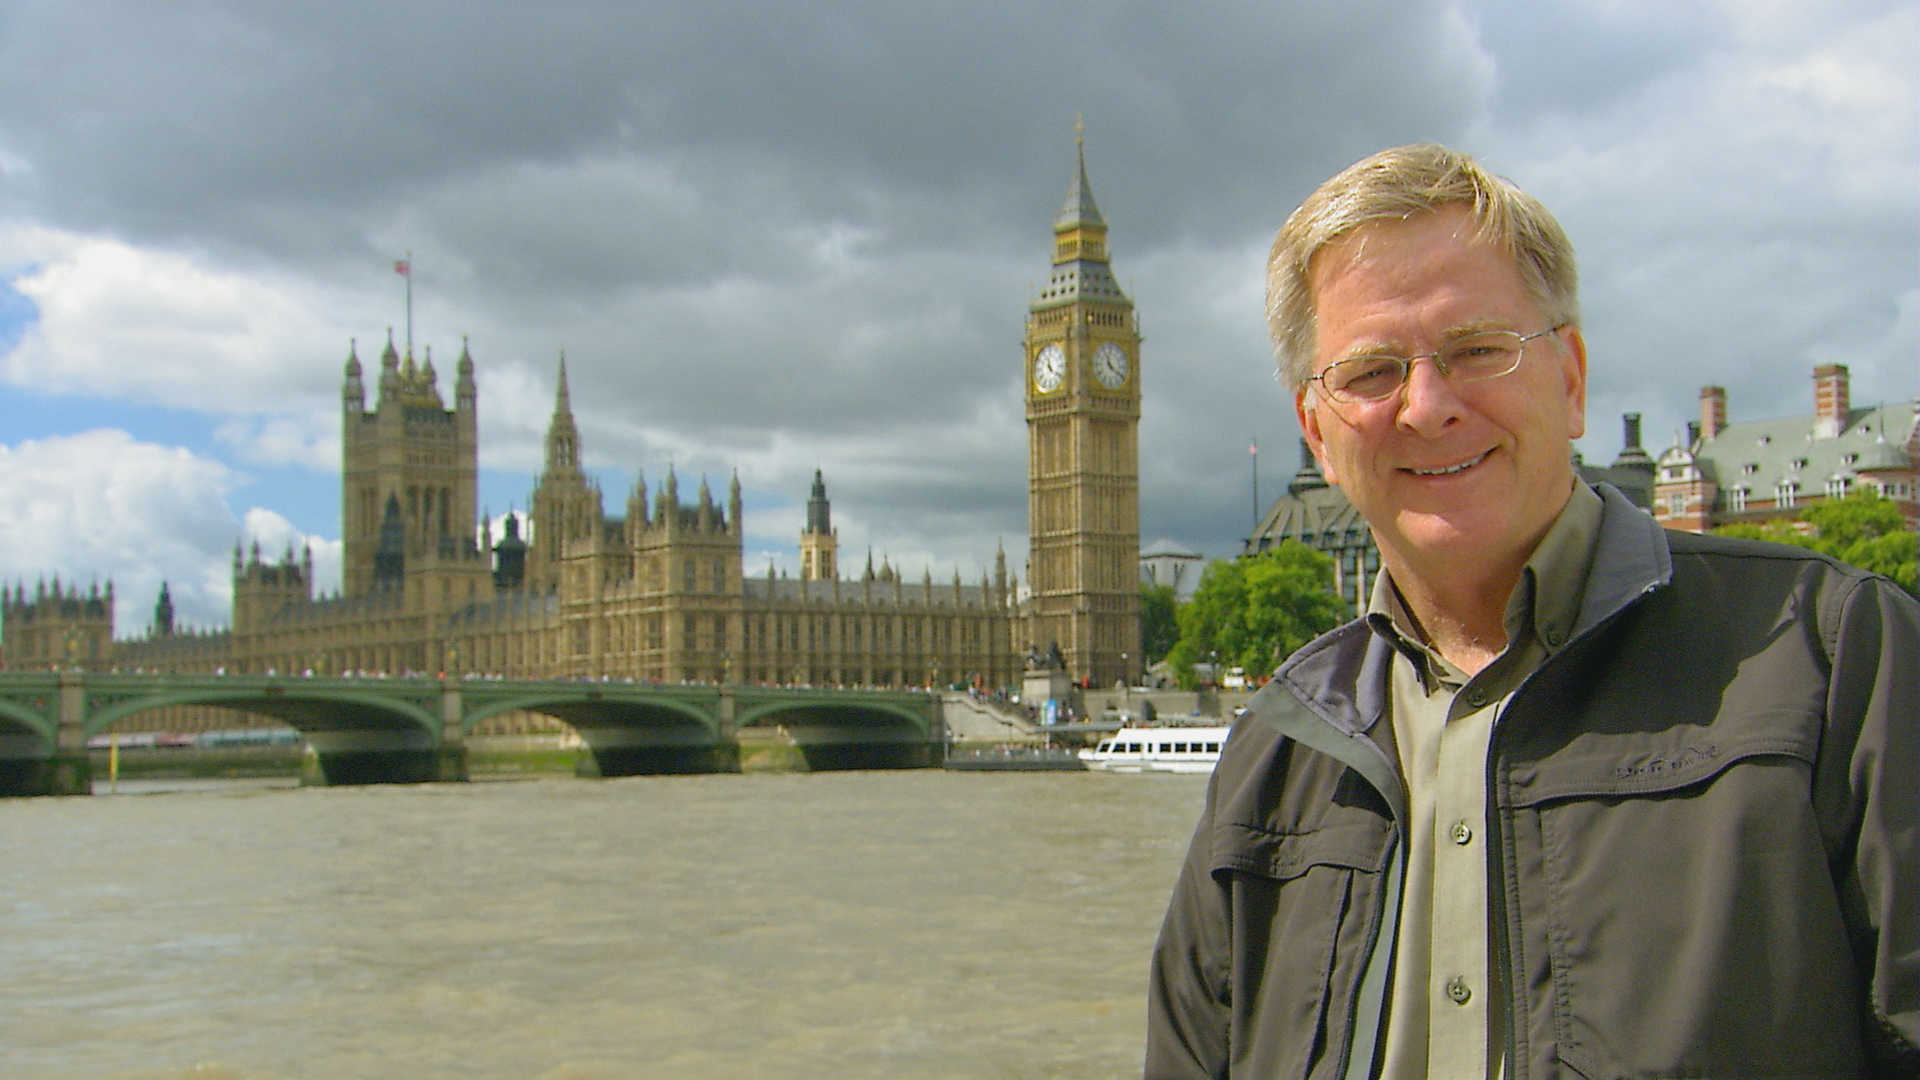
x=1576, y=797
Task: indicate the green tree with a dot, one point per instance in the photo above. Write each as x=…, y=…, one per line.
x=1159, y=625
x=1252, y=611
x=1864, y=529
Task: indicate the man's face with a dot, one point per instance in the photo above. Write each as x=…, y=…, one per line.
x=1448, y=474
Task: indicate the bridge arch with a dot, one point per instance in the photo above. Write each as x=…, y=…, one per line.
x=36, y=724
x=579, y=707
x=809, y=711
x=308, y=708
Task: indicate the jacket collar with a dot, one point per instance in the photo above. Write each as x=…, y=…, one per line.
x=1332, y=693
x=1630, y=560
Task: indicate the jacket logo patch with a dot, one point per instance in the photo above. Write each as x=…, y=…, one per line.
x=1687, y=757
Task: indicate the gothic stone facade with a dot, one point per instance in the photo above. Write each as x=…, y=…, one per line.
x=661, y=593
x=1082, y=377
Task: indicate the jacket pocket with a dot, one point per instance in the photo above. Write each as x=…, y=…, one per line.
x=1304, y=905
x=1683, y=914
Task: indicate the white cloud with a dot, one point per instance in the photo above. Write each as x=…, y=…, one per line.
x=99, y=507
x=173, y=329
x=311, y=440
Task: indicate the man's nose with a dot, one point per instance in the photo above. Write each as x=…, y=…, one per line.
x=1429, y=401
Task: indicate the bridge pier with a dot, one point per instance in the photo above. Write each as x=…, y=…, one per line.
x=450, y=763
x=67, y=772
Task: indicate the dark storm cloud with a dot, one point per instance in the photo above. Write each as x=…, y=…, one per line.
x=172, y=113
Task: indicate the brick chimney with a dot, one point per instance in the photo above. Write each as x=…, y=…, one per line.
x=1631, y=453
x=1713, y=411
x=1913, y=437
x=1830, y=400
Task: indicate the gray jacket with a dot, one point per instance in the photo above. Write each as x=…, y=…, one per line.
x=1705, y=858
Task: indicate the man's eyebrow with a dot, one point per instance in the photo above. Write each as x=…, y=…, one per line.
x=1384, y=347
x=1477, y=326
x=1372, y=347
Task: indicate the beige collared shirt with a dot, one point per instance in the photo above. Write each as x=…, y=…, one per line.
x=1443, y=1019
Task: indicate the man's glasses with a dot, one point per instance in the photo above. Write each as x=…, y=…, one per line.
x=1473, y=358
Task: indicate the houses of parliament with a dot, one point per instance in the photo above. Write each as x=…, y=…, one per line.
x=661, y=593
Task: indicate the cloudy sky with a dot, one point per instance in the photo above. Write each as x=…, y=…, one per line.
x=777, y=237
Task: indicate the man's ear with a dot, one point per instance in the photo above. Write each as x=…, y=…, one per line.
x=1575, y=369
x=1309, y=417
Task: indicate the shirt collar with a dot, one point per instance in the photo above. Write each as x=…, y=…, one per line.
x=1544, y=603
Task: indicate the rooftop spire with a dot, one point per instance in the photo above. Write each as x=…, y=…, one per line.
x=563, y=435
x=819, y=511
x=1080, y=209
x=1081, y=271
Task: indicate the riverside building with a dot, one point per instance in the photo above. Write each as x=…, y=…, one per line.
x=661, y=592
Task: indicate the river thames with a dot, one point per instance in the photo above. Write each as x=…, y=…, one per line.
x=871, y=924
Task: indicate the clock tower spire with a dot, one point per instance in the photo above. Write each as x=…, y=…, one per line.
x=1082, y=376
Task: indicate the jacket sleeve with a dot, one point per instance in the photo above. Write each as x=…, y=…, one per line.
x=1874, y=734
x=1188, y=996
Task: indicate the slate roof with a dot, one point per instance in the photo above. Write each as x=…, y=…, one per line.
x=1762, y=454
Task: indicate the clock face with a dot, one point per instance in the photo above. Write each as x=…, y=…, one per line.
x=1049, y=368
x=1110, y=365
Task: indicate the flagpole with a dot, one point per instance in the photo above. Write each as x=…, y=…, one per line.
x=409, y=277
x=1253, y=452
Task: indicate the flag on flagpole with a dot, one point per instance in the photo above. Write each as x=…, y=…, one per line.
x=404, y=267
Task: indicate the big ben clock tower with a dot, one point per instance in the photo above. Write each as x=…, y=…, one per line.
x=1082, y=374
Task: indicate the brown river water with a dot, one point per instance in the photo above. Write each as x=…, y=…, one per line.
x=835, y=925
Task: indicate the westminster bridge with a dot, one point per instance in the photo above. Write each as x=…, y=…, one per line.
x=381, y=730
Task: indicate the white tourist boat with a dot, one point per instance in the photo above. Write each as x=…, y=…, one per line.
x=1158, y=749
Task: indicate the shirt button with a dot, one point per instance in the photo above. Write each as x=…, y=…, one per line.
x=1477, y=698
x=1458, y=991
x=1461, y=832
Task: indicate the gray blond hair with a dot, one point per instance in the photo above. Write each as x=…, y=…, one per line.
x=1394, y=185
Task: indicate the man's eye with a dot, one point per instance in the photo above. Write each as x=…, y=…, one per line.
x=1372, y=369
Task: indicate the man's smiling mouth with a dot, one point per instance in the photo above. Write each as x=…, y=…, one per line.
x=1451, y=469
